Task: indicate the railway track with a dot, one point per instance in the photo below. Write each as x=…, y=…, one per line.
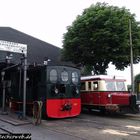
x=135, y=117
x=66, y=133
x=88, y=122
x=6, y=127
x=5, y=130
x=100, y=127
x=128, y=117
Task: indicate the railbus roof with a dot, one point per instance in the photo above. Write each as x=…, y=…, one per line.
x=102, y=77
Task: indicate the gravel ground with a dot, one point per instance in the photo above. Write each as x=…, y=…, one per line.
x=87, y=126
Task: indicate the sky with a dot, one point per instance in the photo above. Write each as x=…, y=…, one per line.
x=47, y=20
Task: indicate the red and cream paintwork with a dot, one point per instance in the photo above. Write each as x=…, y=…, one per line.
x=104, y=92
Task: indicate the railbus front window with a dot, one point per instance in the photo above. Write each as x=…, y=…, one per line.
x=53, y=75
x=110, y=86
x=120, y=86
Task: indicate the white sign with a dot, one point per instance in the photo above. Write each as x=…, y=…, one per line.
x=13, y=47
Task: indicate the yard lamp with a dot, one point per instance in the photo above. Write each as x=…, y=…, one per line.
x=131, y=57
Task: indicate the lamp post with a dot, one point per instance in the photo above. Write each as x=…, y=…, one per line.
x=24, y=85
x=8, y=58
x=131, y=57
x=4, y=112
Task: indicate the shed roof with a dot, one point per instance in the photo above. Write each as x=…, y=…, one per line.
x=37, y=50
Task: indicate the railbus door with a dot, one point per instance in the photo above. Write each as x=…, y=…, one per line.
x=89, y=93
x=96, y=93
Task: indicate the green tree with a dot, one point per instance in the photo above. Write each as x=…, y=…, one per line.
x=100, y=36
x=86, y=70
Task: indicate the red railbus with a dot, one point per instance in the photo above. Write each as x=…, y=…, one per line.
x=106, y=93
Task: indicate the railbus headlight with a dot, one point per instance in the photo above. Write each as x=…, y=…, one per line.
x=109, y=95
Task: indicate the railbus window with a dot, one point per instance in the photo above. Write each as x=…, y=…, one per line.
x=120, y=86
x=53, y=75
x=83, y=86
x=110, y=86
x=89, y=85
x=95, y=85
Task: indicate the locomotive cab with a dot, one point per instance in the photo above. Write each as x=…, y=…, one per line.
x=57, y=87
x=63, y=92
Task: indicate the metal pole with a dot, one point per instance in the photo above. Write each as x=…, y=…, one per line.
x=3, y=102
x=24, y=86
x=131, y=57
x=19, y=90
x=3, y=93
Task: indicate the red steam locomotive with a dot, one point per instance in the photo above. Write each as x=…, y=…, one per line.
x=58, y=87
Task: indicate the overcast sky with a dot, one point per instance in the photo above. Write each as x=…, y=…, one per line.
x=47, y=19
